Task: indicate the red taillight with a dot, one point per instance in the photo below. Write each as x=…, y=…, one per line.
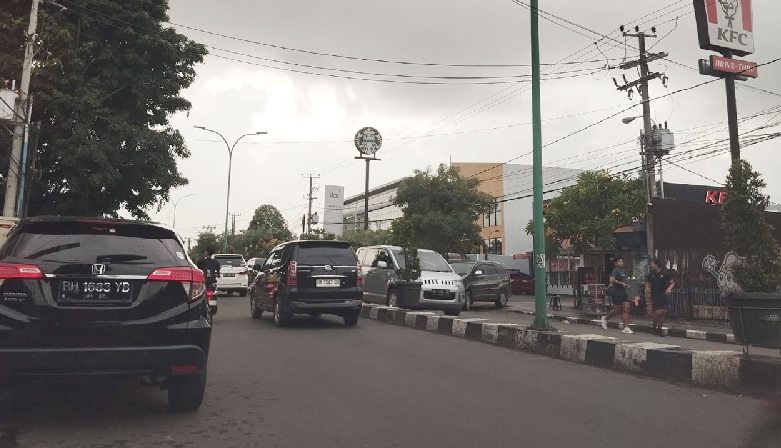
x=10, y=271
x=243, y=273
x=184, y=369
x=192, y=279
x=359, y=278
x=292, y=274
x=209, y=294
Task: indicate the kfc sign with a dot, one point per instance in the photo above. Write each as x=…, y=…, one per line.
x=715, y=197
x=725, y=25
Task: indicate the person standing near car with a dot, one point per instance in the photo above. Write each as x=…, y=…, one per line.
x=210, y=267
x=620, y=295
x=658, y=286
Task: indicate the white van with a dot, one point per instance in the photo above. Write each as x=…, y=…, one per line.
x=442, y=288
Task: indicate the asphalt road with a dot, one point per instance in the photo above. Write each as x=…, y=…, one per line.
x=320, y=384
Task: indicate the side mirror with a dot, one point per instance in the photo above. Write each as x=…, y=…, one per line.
x=382, y=264
x=478, y=273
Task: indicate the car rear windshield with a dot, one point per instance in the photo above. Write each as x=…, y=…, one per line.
x=236, y=262
x=73, y=242
x=323, y=255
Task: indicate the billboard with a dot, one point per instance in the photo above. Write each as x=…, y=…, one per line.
x=725, y=25
x=333, y=215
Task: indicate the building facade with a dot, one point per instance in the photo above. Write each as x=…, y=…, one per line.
x=382, y=211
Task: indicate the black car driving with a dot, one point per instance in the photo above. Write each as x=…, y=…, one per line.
x=101, y=297
x=308, y=277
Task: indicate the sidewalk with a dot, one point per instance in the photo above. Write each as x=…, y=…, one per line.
x=702, y=330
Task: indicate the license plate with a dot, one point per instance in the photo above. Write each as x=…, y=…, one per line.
x=212, y=303
x=328, y=282
x=228, y=275
x=96, y=291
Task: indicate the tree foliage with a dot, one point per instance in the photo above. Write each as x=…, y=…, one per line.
x=205, y=240
x=405, y=236
x=108, y=75
x=363, y=238
x=318, y=234
x=588, y=213
x=270, y=218
x=747, y=232
x=443, y=209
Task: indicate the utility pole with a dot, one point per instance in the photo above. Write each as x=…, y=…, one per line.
x=233, y=223
x=647, y=149
x=310, y=198
x=540, y=286
x=303, y=224
x=15, y=164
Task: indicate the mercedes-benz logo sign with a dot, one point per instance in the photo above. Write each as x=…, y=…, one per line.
x=368, y=141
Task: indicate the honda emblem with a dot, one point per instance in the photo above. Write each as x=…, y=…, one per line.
x=98, y=269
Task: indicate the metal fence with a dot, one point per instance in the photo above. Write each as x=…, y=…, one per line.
x=698, y=304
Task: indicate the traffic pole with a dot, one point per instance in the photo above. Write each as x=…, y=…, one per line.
x=540, y=283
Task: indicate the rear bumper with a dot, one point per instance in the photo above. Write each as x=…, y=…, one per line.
x=70, y=361
x=330, y=307
x=237, y=282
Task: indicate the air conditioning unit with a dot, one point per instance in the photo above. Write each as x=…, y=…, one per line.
x=7, y=103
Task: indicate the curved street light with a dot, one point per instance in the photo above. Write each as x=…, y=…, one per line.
x=176, y=202
x=230, y=161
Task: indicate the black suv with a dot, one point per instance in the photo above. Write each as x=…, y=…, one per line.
x=103, y=297
x=308, y=277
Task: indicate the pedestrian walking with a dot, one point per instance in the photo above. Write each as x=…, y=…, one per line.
x=620, y=296
x=658, y=286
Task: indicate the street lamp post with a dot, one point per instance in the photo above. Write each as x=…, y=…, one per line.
x=230, y=161
x=176, y=202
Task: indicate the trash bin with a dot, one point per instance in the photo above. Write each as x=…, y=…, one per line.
x=755, y=318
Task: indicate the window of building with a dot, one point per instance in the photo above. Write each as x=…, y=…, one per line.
x=492, y=246
x=493, y=217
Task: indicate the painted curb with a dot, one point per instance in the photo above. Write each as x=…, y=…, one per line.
x=723, y=370
x=711, y=336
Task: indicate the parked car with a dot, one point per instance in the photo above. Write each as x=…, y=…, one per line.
x=522, y=283
x=484, y=281
x=308, y=277
x=233, y=274
x=104, y=297
x=442, y=288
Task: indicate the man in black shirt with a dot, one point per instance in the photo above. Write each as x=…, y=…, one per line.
x=620, y=296
x=658, y=286
x=210, y=268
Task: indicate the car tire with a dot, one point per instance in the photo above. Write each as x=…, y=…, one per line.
x=254, y=311
x=281, y=319
x=452, y=312
x=351, y=319
x=185, y=393
x=502, y=300
x=392, y=298
x=468, y=300
x=228, y=293
x=243, y=293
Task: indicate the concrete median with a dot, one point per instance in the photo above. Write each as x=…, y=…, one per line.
x=723, y=370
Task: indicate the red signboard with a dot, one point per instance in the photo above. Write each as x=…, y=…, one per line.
x=521, y=257
x=715, y=197
x=735, y=66
x=725, y=25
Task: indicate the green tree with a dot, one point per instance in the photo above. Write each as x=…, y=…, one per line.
x=552, y=244
x=363, y=238
x=108, y=75
x=588, y=213
x=405, y=235
x=270, y=219
x=747, y=232
x=205, y=240
x=443, y=209
x=318, y=234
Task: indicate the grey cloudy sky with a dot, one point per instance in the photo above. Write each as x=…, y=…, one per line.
x=312, y=119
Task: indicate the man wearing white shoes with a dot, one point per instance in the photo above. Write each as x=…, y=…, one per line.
x=620, y=296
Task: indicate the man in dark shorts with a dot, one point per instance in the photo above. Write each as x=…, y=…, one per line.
x=620, y=296
x=658, y=286
x=210, y=268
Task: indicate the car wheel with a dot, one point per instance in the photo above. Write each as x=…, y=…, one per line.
x=228, y=293
x=452, y=312
x=393, y=298
x=281, y=319
x=185, y=393
x=351, y=319
x=468, y=301
x=256, y=313
x=501, y=302
x=243, y=293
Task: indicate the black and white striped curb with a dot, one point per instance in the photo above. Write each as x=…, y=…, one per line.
x=641, y=328
x=725, y=370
